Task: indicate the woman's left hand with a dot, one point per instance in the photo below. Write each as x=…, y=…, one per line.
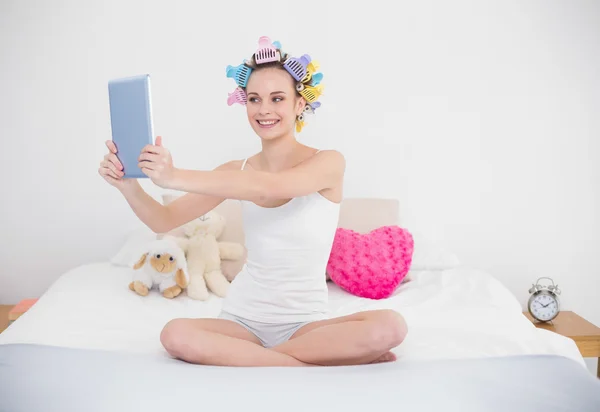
x=156, y=163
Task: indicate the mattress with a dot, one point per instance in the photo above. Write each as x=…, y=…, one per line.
x=91, y=344
x=35, y=378
x=451, y=314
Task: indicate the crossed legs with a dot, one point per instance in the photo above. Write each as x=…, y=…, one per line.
x=360, y=338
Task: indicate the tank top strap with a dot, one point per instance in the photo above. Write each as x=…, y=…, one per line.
x=244, y=163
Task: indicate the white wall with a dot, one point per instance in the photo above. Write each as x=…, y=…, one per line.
x=482, y=119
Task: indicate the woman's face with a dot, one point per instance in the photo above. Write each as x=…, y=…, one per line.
x=273, y=103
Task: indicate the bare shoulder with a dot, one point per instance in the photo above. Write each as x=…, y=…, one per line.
x=332, y=160
x=330, y=167
x=333, y=156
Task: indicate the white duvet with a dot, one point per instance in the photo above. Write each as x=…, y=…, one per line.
x=453, y=313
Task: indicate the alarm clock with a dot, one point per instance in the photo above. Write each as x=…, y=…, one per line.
x=543, y=304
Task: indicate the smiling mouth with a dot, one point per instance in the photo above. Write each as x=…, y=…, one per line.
x=267, y=123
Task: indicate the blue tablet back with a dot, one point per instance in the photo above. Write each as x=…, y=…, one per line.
x=131, y=120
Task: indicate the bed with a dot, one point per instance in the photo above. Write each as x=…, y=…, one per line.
x=91, y=344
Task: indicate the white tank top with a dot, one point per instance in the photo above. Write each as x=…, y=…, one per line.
x=283, y=279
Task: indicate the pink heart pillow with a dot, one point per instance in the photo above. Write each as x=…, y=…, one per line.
x=370, y=265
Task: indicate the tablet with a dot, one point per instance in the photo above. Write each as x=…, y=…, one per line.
x=131, y=120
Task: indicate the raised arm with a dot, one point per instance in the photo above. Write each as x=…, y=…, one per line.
x=325, y=170
x=161, y=219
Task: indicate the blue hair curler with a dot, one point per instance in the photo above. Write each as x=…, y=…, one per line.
x=240, y=74
x=316, y=78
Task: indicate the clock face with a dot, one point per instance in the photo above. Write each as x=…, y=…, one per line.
x=544, y=307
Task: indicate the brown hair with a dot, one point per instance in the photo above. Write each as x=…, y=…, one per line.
x=276, y=65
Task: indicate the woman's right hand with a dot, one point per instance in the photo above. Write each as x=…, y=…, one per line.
x=111, y=168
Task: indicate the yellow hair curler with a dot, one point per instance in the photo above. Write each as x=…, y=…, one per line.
x=310, y=93
x=300, y=121
x=311, y=69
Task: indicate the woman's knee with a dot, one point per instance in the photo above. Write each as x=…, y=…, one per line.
x=173, y=337
x=388, y=329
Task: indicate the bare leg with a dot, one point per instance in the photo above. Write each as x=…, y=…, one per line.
x=361, y=338
x=219, y=342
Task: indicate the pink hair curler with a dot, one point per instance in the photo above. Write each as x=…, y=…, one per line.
x=237, y=96
x=297, y=67
x=240, y=74
x=266, y=52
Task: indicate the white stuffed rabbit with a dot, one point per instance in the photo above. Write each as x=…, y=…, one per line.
x=164, y=266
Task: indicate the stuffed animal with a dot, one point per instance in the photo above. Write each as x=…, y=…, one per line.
x=370, y=265
x=204, y=253
x=164, y=266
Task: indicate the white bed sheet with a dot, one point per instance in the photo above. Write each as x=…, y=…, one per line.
x=450, y=314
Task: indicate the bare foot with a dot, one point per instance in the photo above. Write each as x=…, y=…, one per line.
x=386, y=357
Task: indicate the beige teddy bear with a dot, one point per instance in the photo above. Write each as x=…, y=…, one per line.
x=204, y=253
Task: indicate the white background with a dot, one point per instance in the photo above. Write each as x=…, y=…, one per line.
x=480, y=117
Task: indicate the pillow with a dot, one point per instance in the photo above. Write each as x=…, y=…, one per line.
x=135, y=245
x=370, y=265
x=230, y=209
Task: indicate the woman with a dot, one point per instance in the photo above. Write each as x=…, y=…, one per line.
x=275, y=310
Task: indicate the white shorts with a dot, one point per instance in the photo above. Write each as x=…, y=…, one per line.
x=269, y=334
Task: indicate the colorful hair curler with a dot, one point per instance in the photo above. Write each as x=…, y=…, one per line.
x=310, y=93
x=237, y=96
x=282, y=54
x=297, y=67
x=303, y=69
x=313, y=66
x=316, y=79
x=266, y=52
x=310, y=108
x=240, y=74
x=311, y=69
x=299, y=126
